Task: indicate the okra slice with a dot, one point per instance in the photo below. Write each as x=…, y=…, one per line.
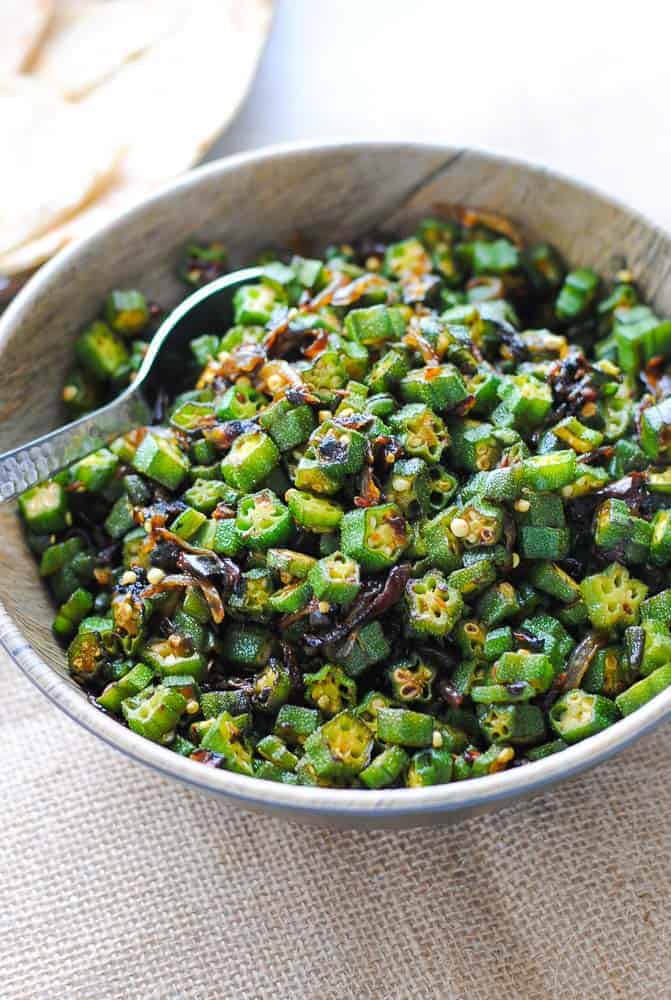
x=273, y=749
x=370, y=646
x=374, y=536
x=252, y=457
x=577, y=715
x=263, y=520
x=161, y=460
x=519, y=725
x=385, y=769
x=314, y=513
x=550, y=472
x=412, y=680
x=335, y=578
x=294, y=723
x=341, y=748
x=154, y=713
x=613, y=598
x=127, y=311
x=330, y=689
x=44, y=508
x=403, y=727
x=644, y=690
x=433, y=607
x=429, y=767
x=168, y=657
x=225, y=736
x=102, y=352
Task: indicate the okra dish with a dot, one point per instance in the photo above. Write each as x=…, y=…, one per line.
x=406, y=522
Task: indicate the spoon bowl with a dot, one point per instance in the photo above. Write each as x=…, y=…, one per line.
x=329, y=193
x=207, y=308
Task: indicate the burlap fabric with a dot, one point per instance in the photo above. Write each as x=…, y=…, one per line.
x=116, y=883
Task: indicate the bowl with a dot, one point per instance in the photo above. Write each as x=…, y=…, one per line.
x=326, y=192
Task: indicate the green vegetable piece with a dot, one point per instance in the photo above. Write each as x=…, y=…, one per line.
x=44, y=508
x=271, y=688
x=263, y=521
x=660, y=539
x=335, y=578
x=168, y=658
x=57, y=556
x=526, y=399
x=403, y=727
x=341, y=748
x=314, y=513
x=225, y=737
x=247, y=645
x=252, y=457
x=102, y=352
x=254, y=304
x=644, y=690
x=441, y=387
x=291, y=598
x=375, y=326
x=161, y=460
x=370, y=646
x=330, y=689
x=577, y=294
x=519, y=725
x=385, y=769
x=94, y=472
x=289, y=426
x=422, y=432
x=239, y=402
x=497, y=604
x=429, y=767
x=656, y=431
x=412, y=680
x=577, y=715
x=550, y=472
x=127, y=312
x=273, y=749
x=613, y=598
x=433, y=606
x=374, y=536
x=132, y=683
x=534, y=668
x=154, y=713
x=294, y=723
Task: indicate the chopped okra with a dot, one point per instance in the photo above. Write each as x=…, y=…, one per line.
x=406, y=521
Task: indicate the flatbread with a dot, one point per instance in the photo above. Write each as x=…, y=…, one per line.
x=88, y=41
x=56, y=158
x=23, y=24
x=166, y=107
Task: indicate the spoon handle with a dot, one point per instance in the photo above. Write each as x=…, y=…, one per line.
x=46, y=455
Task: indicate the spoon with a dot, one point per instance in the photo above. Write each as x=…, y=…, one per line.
x=163, y=363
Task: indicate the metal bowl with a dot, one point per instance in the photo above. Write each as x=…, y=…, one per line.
x=325, y=192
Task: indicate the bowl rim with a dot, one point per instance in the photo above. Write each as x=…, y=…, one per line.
x=467, y=796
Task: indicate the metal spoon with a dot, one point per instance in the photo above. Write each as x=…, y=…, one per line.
x=208, y=308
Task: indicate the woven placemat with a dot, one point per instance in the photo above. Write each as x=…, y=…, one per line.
x=117, y=884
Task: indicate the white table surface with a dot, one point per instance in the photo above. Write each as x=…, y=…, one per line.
x=582, y=88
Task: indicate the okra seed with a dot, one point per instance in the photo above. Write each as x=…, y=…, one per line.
x=522, y=506
x=128, y=578
x=69, y=392
x=324, y=607
x=192, y=706
x=459, y=527
x=437, y=739
x=155, y=575
x=516, y=560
